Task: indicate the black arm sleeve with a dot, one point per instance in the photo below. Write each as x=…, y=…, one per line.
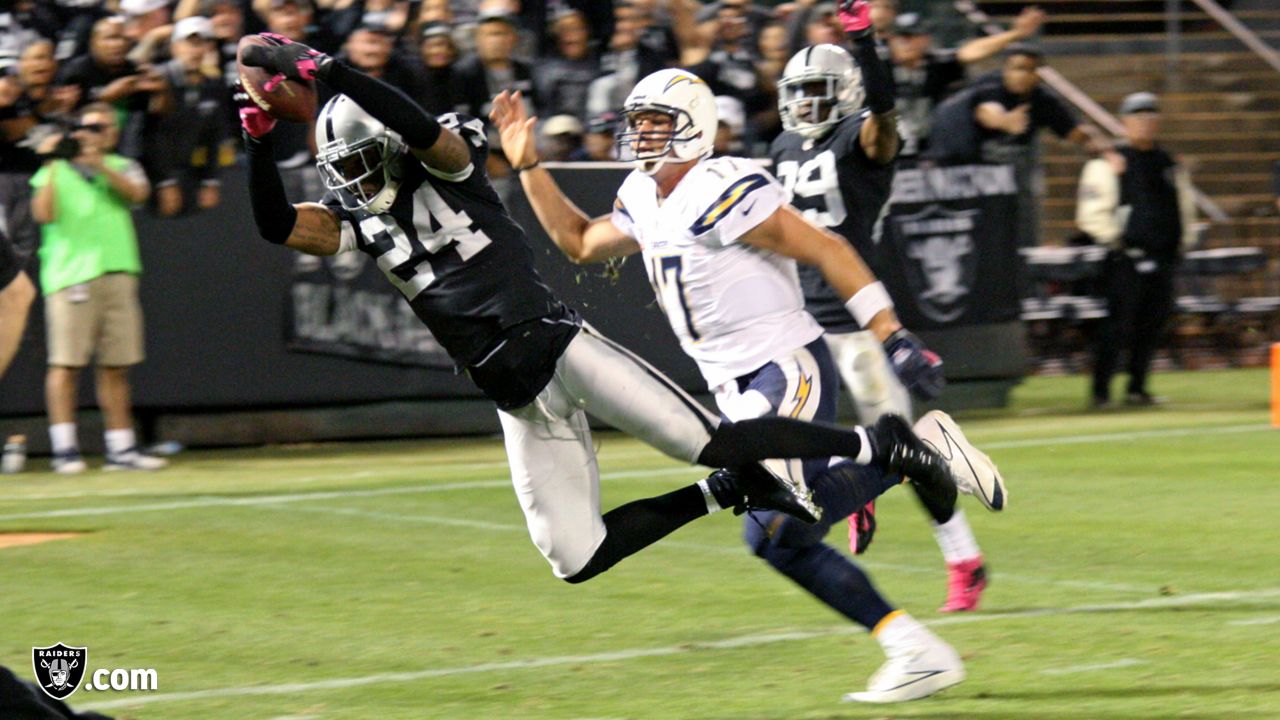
x=390, y=106
x=272, y=213
x=875, y=75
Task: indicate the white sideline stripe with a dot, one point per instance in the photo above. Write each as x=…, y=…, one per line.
x=201, y=502
x=210, y=501
x=1272, y=620
x=1115, y=437
x=743, y=641
x=1125, y=662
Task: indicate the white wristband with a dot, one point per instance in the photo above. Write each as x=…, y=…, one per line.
x=869, y=301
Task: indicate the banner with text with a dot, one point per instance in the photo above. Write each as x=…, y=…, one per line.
x=948, y=246
x=343, y=305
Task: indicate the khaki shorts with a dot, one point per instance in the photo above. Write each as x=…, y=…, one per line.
x=99, y=317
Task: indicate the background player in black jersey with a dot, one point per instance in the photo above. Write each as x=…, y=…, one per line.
x=409, y=189
x=835, y=159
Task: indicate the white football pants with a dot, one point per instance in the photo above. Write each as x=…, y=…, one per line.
x=553, y=462
x=865, y=370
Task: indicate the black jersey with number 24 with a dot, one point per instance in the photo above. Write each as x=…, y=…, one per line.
x=448, y=245
x=833, y=182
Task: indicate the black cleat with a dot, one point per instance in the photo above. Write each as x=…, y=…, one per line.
x=896, y=449
x=759, y=488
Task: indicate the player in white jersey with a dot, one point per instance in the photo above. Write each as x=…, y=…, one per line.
x=720, y=246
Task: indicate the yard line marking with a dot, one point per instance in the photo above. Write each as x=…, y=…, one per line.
x=1125, y=662
x=743, y=641
x=1131, y=435
x=200, y=501
x=995, y=445
x=429, y=519
x=1272, y=620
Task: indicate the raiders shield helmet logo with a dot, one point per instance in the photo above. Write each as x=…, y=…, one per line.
x=59, y=669
x=942, y=260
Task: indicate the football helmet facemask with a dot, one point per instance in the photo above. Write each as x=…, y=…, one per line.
x=358, y=157
x=687, y=101
x=820, y=86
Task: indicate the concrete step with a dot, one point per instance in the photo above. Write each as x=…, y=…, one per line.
x=1064, y=208
x=1210, y=183
x=1263, y=232
x=1067, y=162
x=1261, y=80
x=1177, y=103
x=1120, y=64
x=1151, y=42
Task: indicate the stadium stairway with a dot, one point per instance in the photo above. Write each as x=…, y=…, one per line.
x=1221, y=105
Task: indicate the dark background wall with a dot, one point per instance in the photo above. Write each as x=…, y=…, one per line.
x=217, y=371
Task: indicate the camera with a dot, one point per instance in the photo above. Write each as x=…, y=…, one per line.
x=68, y=148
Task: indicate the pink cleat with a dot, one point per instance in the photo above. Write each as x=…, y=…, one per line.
x=965, y=582
x=862, y=527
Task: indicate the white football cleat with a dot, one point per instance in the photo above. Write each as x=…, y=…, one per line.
x=69, y=464
x=917, y=671
x=974, y=472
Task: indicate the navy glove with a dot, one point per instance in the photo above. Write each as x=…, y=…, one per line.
x=918, y=367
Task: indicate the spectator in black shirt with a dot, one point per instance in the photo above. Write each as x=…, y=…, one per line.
x=563, y=79
x=183, y=142
x=1140, y=205
x=493, y=68
x=730, y=68
x=438, y=90
x=148, y=25
x=925, y=76
x=1008, y=115
x=107, y=75
x=626, y=61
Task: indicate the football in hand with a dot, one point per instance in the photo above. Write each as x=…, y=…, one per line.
x=290, y=100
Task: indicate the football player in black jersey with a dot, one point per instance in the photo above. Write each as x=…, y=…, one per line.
x=409, y=189
x=835, y=159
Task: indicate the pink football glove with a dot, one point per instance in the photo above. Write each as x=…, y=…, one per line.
x=287, y=59
x=253, y=119
x=855, y=17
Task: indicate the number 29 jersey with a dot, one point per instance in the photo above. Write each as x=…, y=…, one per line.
x=833, y=182
x=734, y=307
x=448, y=245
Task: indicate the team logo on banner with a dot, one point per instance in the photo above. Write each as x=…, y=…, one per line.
x=940, y=258
x=59, y=669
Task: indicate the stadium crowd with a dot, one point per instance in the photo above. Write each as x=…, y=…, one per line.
x=168, y=67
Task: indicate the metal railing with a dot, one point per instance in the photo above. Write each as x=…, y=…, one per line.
x=1081, y=100
x=1242, y=33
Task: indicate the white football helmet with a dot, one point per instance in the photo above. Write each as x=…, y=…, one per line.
x=820, y=86
x=358, y=157
x=687, y=100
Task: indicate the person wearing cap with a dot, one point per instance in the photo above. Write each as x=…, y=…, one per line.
x=561, y=138
x=494, y=68
x=924, y=76
x=148, y=23
x=730, y=126
x=1142, y=208
x=599, y=144
x=182, y=143
x=438, y=89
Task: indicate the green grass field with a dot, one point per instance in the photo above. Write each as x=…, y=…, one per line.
x=1135, y=574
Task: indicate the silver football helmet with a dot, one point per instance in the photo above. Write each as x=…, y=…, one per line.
x=358, y=157
x=820, y=86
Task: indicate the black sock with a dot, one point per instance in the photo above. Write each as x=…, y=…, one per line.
x=777, y=437
x=638, y=524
